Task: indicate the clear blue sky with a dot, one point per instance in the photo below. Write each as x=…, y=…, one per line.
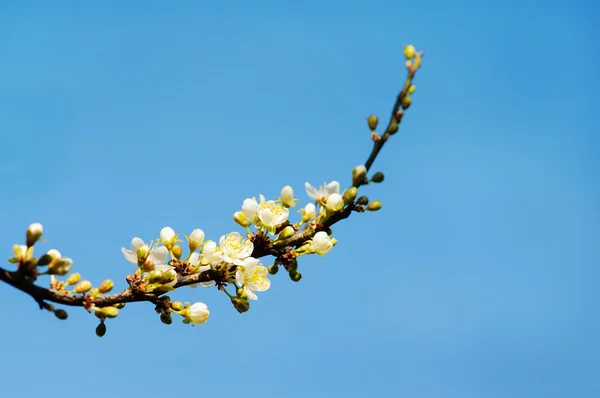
x=477, y=279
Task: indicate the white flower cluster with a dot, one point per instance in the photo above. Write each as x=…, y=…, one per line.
x=157, y=273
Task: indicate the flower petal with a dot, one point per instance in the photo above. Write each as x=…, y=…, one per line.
x=311, y=191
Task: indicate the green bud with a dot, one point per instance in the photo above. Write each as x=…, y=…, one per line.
x=142, y=254
x=60, y=266
x=177, y=251
x=61, y=314
x=406, y=101
x=240, y=218
x=155, y=276
x=73, y=279
x=273, y=269
x=120, y=306
x=109, y=312
x=168, y=277
x=101, y=329
x=372, y=120
x=241, y=293
x=177, y=305
x=286, y=233
x=409, y=51
x=412, y=89
x=350, y=195
x=295, y=275
x=374, y=205
x=106, y=286
x=166, y=318
x=241, y=305
x=363, y=200
x=377, y=177
x=44, y=260
x=34, y=233
x=83, y=287
x=392, y=128
x=94, y=292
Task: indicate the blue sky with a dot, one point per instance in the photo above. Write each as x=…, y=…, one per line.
x=476, y=279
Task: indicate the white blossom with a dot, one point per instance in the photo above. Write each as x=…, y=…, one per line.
x=235, y=249
x=158, y=255
x=272, y=215
x=322, y=243
x=252, y=277
x=323, y=192
x=198, y=313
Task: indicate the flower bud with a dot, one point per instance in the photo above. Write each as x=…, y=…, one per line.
x=377, y=177
x=409, y=52
x=34, y=233
x=240, y=218
x=120, y=306
x=73, y=279
x=83, y=287
x=406, y=101
x=177, y=305
x=350, y=195
x=61, y=314
x=198, y=313
x=155, y=276
x=101, y=329
x=44, y=260
x=166, y=318
x=372, y=120
x=412, y=89
x=60, y=267
x=168, y=237
x=286, y=233
x=363, y=200
x=335, y=202
x=392, y=128
x=168, y=276
x=177, y=251
x=108, y=312
x=273, y=269
x=374, y=205
x=321, y=243
x=195, y=239
x=308, y=213
x=142, y=254
x=240, y=304
x=359, y=175
x=287, y=196
x=106, y=286
x=295, y=275
x=94, y=292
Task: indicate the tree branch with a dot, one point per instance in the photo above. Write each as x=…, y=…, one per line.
x=262, y=247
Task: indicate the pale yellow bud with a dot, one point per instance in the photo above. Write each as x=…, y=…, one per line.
x=83, y=287
x=409, y=52
x=240, y=218
x=73, y=279
x=106, y=286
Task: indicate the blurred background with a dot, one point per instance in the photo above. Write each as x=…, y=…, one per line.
x=476, y=279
